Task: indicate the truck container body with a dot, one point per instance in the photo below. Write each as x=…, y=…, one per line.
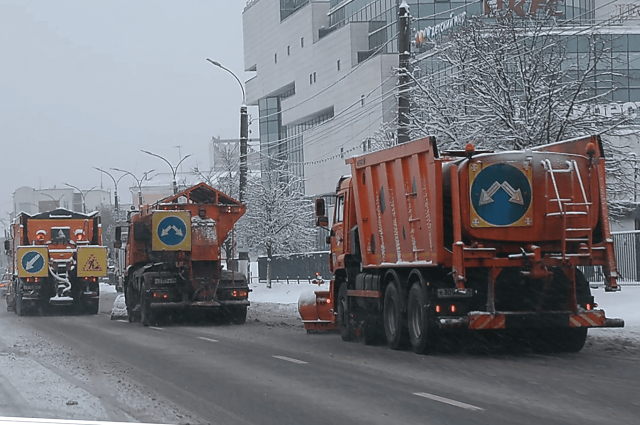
x=173, y=257
x=56, y=258
x=422, y=244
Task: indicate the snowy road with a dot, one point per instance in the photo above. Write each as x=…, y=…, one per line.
x=271, y=372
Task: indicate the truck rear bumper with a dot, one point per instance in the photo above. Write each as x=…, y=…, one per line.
x=197, y=304
x=519, y=320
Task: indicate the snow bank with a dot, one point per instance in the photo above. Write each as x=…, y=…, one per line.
x=624, y=304
x=283, y=293
x=119, y=310
x=106, y=288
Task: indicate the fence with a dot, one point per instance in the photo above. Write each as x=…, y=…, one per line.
x=294, y=267
x=627, y=248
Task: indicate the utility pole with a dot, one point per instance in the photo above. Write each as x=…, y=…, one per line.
x=404, y=55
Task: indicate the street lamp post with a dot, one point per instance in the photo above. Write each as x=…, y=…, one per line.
x=145, y=176
x=115, y=185
x=174, y=170
x=83, y=194
x=244, y=132
x=57, y=201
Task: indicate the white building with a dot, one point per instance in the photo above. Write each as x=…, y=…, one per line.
x=320, y=93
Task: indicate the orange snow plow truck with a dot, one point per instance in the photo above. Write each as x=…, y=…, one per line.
x=423, y=243
x=173, y=257
x=56, y=258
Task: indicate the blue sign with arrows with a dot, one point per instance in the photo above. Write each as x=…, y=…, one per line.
x=32, y=262
x=501, y=194
x=172, y=230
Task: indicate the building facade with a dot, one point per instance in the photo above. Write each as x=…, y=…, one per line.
x=325, y=70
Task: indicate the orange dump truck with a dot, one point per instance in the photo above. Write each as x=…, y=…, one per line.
x=173, y=257
x=423, y=243
x=56, y=259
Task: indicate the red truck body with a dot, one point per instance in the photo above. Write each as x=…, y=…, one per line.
x=422, y=243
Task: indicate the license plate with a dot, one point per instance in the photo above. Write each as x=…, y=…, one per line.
x=165, y=280
x=454, y=293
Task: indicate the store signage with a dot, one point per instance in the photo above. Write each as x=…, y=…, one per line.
x=433, y=32
x=522, y=7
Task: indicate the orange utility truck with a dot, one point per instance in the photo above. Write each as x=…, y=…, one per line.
x=423, y=243
x=56, y=258
x=173, y=257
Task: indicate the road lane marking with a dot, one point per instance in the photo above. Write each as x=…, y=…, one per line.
x=123, y=321
x=289, y=359
x=448, y=401
x=158, y=329
x=204, y=338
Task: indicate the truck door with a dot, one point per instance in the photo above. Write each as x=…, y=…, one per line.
x=337, y=233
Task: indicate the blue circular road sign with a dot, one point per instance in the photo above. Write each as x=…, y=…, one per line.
x=172, y=230
x=501, y=194
x=32, y=262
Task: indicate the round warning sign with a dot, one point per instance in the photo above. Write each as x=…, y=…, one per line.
x=32, y=262
x=501, y=194
x=172, y=230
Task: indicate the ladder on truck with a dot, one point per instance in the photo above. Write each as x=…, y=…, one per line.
x=570, y=208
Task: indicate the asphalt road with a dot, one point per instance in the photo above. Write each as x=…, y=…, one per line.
x=262, y=373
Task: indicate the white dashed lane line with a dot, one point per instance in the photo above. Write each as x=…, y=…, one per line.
x=158, y=329
x=289, y=359
x=204, y=338
x=448, y=401
x=123, y=321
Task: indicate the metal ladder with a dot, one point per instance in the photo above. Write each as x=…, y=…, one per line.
x=568, y=208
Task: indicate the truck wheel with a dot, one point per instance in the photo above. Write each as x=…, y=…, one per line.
x=394, y=327
x=559, y=340
x=145, y=309
x=11, y=304
x=422, y=332
x=344, y=318
x=19, y=306
x=129, y=300
x=93, y=308
x=238, y=315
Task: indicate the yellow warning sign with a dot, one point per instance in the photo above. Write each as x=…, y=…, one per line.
x=92, y=261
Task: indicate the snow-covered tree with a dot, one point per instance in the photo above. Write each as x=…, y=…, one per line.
x=279, y=219
x=511, y=83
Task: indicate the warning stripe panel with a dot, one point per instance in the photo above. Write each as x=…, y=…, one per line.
x=587, y=320
x=487, y=321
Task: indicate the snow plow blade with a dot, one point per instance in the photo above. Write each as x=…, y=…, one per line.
x=316, y=310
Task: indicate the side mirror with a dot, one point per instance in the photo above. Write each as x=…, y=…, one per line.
x=322, y=221
x=7, y=245
x=118, y=241
x=320, y=210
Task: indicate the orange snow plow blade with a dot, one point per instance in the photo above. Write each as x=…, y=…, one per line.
x=316, y=310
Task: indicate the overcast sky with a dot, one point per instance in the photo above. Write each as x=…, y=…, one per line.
x=90, y=83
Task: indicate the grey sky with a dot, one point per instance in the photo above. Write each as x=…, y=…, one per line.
x=90, y=83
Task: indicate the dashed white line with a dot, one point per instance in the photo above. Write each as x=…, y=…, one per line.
x=448, y=401
x=204, y=338
x=123, y=321
x=158, y=329
x=289, y=359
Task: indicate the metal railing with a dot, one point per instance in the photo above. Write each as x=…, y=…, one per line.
x=627, y=248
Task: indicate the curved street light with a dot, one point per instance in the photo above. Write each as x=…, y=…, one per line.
x=145, y=176
x=115, y=184
x=174, y=170
x=83, y=194
x=244, y=131
x=57, y=201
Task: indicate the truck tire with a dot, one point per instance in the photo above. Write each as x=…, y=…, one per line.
x=238, y=315
x=93, y=308
x=422, y=331
x=146, y=316
x=19, y=307
x=11, y=304
x=129, y=299
x=344, y=316
x=559, y=340
x=394, y=326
